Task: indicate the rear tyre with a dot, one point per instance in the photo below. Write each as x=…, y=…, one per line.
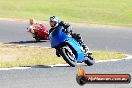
x=89, y=60
x=68, y=56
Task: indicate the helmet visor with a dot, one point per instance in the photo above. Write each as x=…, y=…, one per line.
x=53, y=23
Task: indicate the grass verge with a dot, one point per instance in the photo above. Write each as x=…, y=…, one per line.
x=112, y=12
x=16, y=56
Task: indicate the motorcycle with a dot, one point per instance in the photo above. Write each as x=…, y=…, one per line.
x=67, y=47
x=39, y=32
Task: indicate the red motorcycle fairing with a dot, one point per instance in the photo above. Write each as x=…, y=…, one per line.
x=42, y=32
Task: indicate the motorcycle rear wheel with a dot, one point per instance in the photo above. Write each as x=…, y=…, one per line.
x=90, y=60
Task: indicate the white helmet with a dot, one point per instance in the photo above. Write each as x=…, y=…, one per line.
x=54, y=21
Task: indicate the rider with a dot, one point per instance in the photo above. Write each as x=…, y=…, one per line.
x=55, y=22
x=31, y=28
x=35, y=26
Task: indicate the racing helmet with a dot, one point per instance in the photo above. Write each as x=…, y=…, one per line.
x=54, y=21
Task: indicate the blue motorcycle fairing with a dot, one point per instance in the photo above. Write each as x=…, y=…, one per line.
x=76, y=46
x=57, y=37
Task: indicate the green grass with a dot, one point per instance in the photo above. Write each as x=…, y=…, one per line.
x=15, y=56
x=107, y=55
x=112, y=12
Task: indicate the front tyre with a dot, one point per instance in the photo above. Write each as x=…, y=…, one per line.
x=68, y=56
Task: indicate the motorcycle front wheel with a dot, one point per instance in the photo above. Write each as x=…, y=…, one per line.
x=68, y=56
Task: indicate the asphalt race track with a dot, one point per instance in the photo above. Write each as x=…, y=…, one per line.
x=96, y=37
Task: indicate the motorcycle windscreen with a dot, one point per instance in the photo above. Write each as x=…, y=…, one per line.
x=57, y=36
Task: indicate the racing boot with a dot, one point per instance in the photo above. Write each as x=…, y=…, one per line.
x=86, y=50
x=33, y=35
x=81, y=42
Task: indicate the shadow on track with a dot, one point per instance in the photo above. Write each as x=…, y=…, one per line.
x=41, y=66
x=27, y=42
x=46, y=66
